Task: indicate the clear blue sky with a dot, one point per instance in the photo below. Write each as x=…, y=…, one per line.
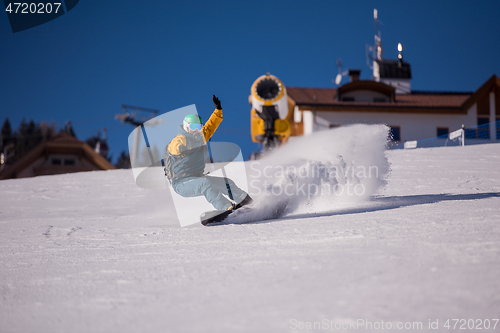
x=168, y=54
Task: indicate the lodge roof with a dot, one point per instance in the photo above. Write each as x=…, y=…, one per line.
x=327, y=99
x=328, y=96
x=61, y=144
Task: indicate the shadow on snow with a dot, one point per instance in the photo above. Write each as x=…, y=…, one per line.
x=394, y=202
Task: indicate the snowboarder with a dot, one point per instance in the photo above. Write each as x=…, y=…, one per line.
x=185, y=158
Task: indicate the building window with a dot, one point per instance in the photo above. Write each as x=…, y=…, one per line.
x=69, y=161
x=498, y=128
x=395, y=133
x=379, y=100
x=63, y=160
x=347, y=99
x=482, y=121
x=443, y=132
x=483, y=128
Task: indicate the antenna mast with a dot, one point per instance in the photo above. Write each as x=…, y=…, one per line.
x=377, y=48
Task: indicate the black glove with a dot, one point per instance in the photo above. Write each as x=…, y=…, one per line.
x=217, y=103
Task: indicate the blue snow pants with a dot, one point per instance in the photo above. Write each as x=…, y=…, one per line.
x=212, y=188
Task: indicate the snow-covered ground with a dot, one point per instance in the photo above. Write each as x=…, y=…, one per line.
x=92, y=252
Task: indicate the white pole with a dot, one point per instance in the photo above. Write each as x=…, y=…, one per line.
x=135, y=151
x=493, y=130
x=463, y=135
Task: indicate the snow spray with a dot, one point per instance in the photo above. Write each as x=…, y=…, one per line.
x=321, y=171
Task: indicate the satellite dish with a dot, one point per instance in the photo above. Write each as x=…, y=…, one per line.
x=338, y=79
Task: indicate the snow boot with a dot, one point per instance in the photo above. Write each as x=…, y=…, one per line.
x=248, y=200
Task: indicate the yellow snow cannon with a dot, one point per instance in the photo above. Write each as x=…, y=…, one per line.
x=269, y=125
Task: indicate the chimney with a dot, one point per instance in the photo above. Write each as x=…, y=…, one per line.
x=354, y=74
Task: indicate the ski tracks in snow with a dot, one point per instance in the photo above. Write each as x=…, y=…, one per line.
x=55, y=231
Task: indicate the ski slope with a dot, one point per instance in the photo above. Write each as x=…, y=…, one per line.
x=92, y=252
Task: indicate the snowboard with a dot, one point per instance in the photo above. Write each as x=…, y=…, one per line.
x=245, y=214
x=214, y=216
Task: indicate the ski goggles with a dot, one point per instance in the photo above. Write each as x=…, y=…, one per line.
x=194, y=127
